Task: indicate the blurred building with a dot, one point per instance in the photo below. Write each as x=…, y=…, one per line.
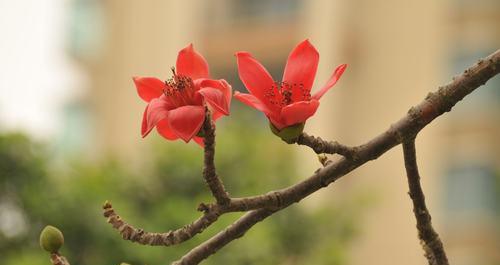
x=397, y=52
x=469, y=164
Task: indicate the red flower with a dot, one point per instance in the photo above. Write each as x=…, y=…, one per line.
x=287, y=103
x=177, y=106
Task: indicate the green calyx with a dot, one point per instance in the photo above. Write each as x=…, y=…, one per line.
x=288, y=134
x=201, y=133
x=51, y=239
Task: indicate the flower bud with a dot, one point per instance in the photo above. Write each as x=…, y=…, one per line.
x=51, y=239
x=288, y=134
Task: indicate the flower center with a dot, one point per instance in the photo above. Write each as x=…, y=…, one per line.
x=282, y=93
x=180, y=90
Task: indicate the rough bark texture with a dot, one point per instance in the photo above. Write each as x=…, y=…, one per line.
x=172, y=237
x=58, y=259
x=209, y=172
x=321, y=146
x=429, y=239
x=232, y=232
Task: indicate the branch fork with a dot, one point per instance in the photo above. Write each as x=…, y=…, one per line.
x=209, y=172
x=259, y=207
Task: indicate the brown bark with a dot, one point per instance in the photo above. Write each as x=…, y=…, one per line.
x=209, y=172
x=429, y=239
x=58, y=259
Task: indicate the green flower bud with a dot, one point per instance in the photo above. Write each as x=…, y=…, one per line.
x=288, y=134
x=51, y=239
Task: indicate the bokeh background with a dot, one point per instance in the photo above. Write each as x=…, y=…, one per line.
x=70, y=121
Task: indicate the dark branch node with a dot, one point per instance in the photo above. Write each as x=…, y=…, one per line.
x=320, y=146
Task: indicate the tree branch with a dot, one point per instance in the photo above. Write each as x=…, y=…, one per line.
x=137, y=235
x=434, y=105
x=232, y=232
x=174, y=237
x=209, y=173
x=429, y=239
x=58, y=259
x=262, y=206
x=321, y=146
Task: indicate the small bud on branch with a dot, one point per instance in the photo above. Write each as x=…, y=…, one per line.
x=51, y=239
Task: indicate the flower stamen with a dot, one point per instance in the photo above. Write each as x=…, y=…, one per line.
x=180, y=89
x=283, y=94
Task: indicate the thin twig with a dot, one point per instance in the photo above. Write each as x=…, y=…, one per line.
x=434, y=105
x=58, y=259
x=321, y=146
x=174, y=237
x=209, y=173
x=137, y=235
x=429, y=239
x=211, y=212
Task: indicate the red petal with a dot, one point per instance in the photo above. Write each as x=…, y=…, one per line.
x=217, y=94
x=149, y=87
x=255, y=103
x=144, y=126
x=228, y=94
x=300, y=69
x=298, y=112
x=215, y=99
x=333, y=79
x=191, y=63
x=164, y=130
x=255, y=77
x=186, y=121
x=227, y=90
x=156, y=111
x=199, y=141
x=252, y=101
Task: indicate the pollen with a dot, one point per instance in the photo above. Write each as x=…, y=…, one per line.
x=180, y=89
x=282, y=93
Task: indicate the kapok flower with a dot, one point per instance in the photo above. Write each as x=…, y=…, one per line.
x=289, y=103
x=177, y=106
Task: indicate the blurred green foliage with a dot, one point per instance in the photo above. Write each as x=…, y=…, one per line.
x=165, y=196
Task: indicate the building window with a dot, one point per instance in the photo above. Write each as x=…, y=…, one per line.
x=472, y=190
